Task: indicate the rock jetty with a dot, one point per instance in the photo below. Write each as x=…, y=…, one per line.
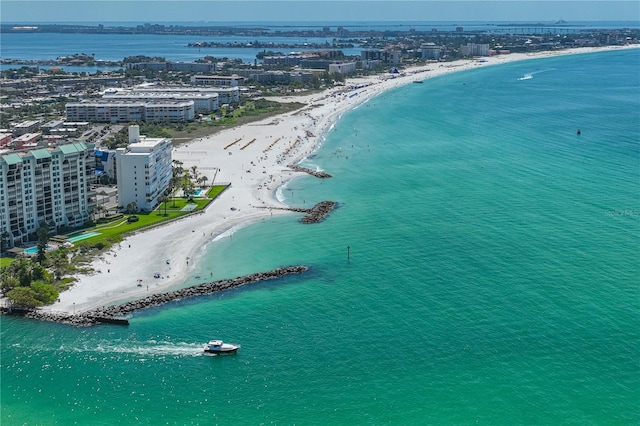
x=318, y=174
x=313, y=215
x=318, y=212
x=114, y=314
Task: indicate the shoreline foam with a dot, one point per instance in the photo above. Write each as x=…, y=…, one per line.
x=140, y=256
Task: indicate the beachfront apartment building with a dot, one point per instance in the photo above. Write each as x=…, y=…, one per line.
x=119, y=111
x=173, y=66
x=47, y=184
x=387, y=56
x=474, y=49
x=342, y=68
x=431, y=51
x=219, y=80
x=291, y=60
x=143, y=170
x=203, y=102
x=281, y=77
x=226, y=95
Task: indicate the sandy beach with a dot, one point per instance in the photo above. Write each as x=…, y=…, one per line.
x=256, y=166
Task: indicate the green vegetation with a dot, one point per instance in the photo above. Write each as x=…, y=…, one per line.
x=113, y=231
x=233, y=115
x=6, y=261
x=28, y=284
x=228, y=116
x=215, y=190
x=31, y=111
x=37, y=281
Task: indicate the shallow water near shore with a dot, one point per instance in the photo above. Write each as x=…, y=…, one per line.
x=491, y=276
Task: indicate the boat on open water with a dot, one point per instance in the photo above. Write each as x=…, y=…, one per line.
x=220, y=347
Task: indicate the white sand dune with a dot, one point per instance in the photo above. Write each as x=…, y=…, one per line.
x=255, y=171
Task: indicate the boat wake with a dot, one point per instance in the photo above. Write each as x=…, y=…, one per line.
x=529, y=76
x=150, y=348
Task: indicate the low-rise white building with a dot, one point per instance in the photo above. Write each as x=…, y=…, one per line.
x=219, y=80
x=343, y=68
x=226, y=95
x=205, y=102
x=117, y=111
x=30, y=126
x=143, y=170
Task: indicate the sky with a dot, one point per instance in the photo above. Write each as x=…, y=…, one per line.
x=211, y=11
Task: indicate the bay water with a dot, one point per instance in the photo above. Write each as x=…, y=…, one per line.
x=481, y=267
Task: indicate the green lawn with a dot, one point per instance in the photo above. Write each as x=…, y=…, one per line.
x=113, y=232
x=215, y=190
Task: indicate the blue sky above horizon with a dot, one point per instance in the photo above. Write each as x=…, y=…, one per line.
x=211, y=11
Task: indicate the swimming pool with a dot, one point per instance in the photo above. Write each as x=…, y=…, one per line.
x=82, y=237
x=33, y=250
x=198, y=192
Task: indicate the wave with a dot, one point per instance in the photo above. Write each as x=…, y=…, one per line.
x=280, y=192
x=229, y=232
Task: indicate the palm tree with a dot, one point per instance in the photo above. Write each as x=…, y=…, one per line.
x=164, y=199
x=99, y=209
x=43, y=240
x=187, y=188
x=92, y=213
x=178, y=170
x=59, y=262
x=5, y=240
x=194, y=172
x=173, y=184
x=202, y=180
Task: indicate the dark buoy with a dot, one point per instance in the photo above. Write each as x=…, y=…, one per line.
x=578, y=132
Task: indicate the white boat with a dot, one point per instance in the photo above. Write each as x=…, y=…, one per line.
x=220, y=347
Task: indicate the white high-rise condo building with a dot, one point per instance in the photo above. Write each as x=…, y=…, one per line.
x=143, y=170
x=50, y=185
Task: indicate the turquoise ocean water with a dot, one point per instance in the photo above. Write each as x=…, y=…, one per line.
x=493, y=276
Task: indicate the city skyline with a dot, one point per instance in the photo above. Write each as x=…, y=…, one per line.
x=53, y=11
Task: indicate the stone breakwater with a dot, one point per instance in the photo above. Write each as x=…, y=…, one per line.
x=318, y=212
x=113, y=314
x=313, y=215
x=318, y=174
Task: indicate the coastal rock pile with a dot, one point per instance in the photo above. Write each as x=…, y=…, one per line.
x=318, y=212
x=313, y=215
x=318, y=174
x=61, y=317
x=111, y=314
